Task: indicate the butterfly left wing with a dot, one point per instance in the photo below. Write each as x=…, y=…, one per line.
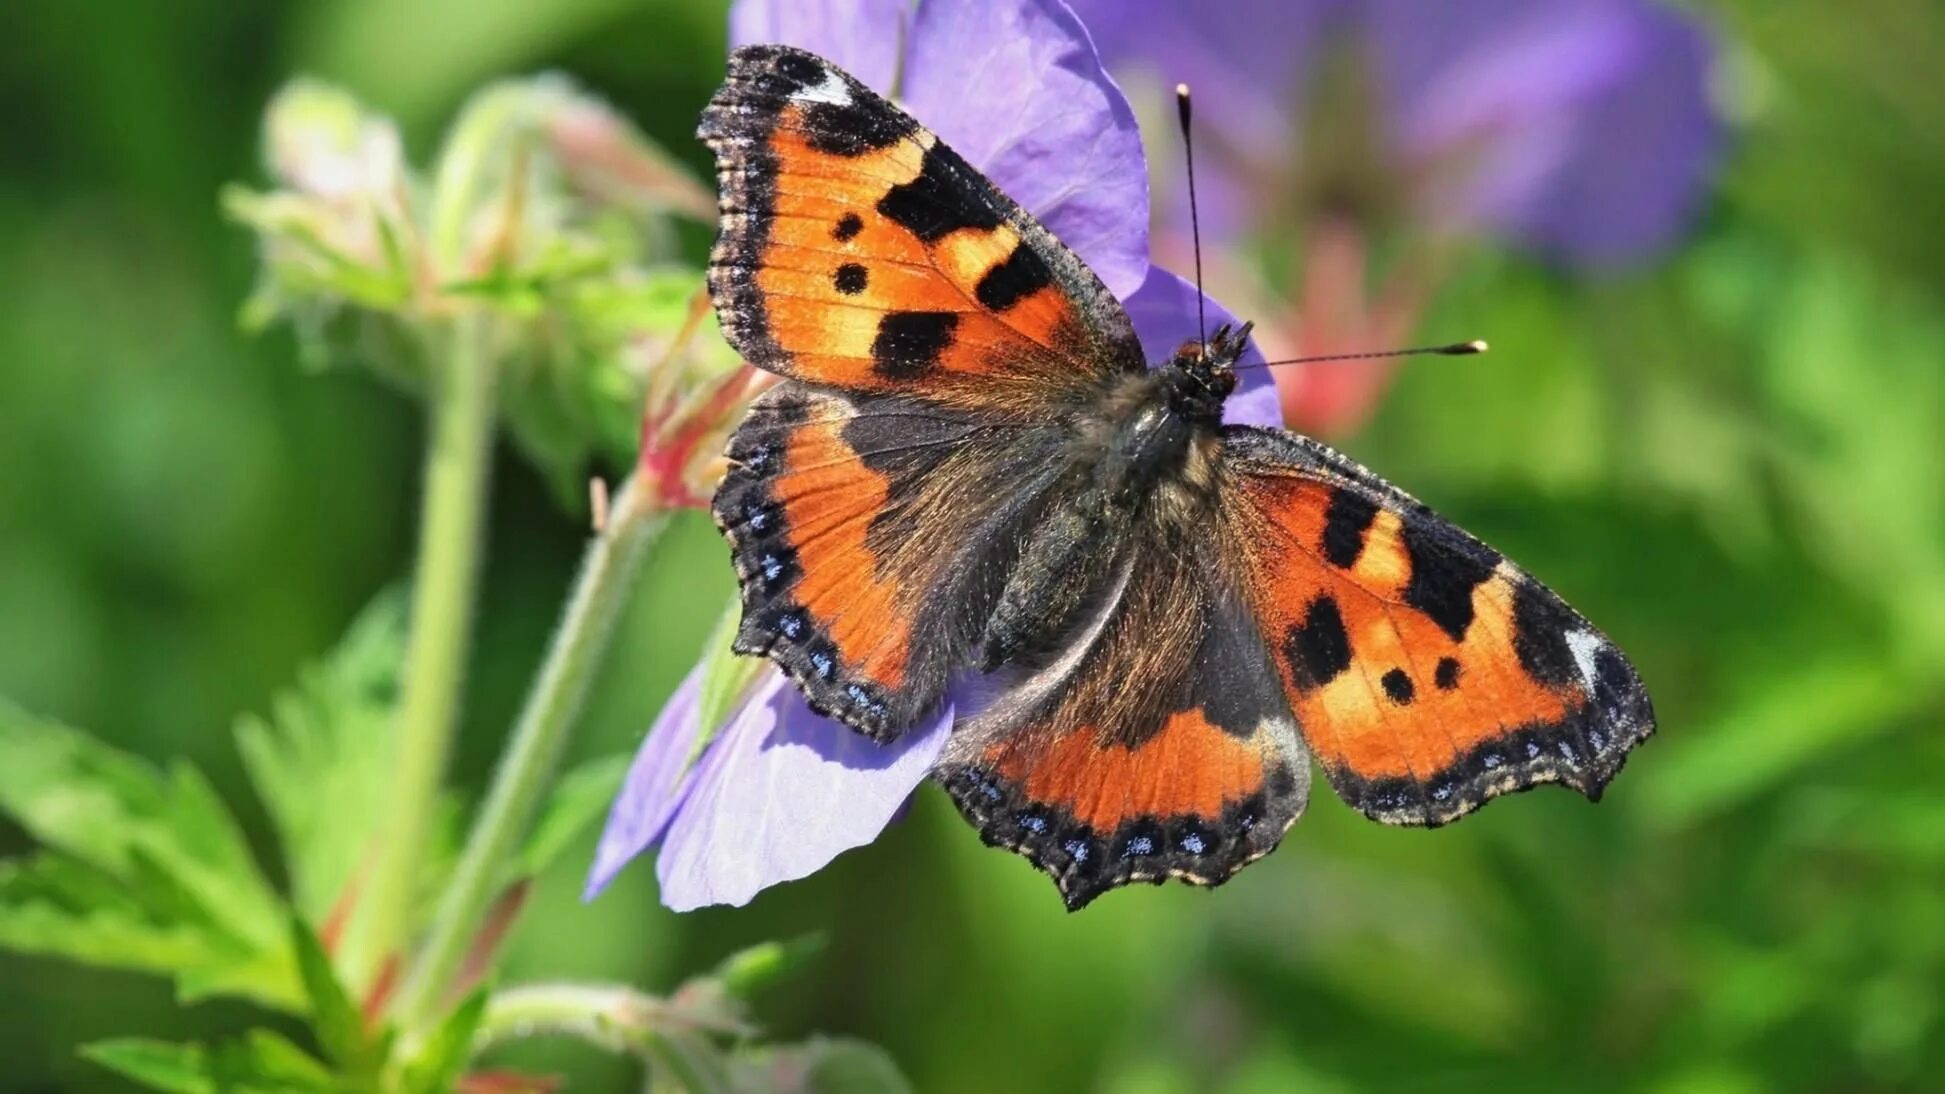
x=1428, y=673
x=1155, y=742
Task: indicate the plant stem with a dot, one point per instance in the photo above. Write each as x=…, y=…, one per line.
x=443, y=583
x=614, y=1016
x=527, y=768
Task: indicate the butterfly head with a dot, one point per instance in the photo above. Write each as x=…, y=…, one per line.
x=1203, y=373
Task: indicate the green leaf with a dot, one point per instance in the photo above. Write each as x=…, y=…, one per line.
x=73, y=793
x=144, y=871
x=823, y=1064
x=747, y=970
x=335, y=1019
x=447, y=1050
x=158, y=1065
x=262, y=1062
x=57, y=907
x=107, y=809
x=319, y=762
x=266, y=1060
x=578, y=799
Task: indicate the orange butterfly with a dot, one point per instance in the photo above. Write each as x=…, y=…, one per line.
x=970, y=469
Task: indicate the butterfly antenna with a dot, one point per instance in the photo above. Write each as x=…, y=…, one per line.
x=1195, y=226
x=1456, y=349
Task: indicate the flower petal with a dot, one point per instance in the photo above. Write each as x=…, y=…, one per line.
x=1016, y=88
x=650, y=795
x=780, y=793
x=1163, y=312
x=1585, y=126
x=862, y=36
x=1249, y=64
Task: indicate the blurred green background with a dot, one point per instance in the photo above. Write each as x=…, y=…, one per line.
x=1733, y=460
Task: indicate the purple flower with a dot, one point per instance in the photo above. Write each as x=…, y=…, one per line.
x=1581, y=128
x=780, y=791
x=1578, y=129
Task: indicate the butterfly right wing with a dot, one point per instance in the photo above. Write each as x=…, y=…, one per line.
x=858, y=251
x=1429, y=673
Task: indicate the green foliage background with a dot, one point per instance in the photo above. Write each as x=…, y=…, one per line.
x=1734, y=460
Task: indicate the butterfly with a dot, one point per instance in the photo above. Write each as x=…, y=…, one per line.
x=970, y=472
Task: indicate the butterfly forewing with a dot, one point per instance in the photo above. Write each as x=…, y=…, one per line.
x=858, y=250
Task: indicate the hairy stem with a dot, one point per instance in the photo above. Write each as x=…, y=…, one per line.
x=526, y=769
x=444, y=579
x=614, y=1016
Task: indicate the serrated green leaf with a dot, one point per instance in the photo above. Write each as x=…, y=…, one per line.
x=109, y=810
x=147, y=872
x=262, y=1062
x=58, y=907
x=268, y=1061
x=203, y=850
x=822, y=1065
x=445, y=1053
x=319, y=762
x=74, y=793
x=158, y=1065
x=335, y=1019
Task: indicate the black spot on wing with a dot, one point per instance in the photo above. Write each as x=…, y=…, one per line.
x=1319, y=648
x=847, y=227
x=909, y=343
x=1346, y=520
x=850, y=279
x=1446, y=676
x=1446, y=565
x=1020, y=276
x=941, y=200
x=1398, y=686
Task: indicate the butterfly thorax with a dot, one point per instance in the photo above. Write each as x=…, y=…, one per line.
x=1147, y=454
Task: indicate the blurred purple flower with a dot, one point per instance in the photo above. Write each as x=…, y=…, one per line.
x=781, y=791
x=1580, y=129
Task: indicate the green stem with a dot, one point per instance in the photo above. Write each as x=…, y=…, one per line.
x=677, y=1042
x=527, y=768
x=614, y=1016
x=444, y=578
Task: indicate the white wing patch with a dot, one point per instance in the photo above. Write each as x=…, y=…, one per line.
x=832, y=91
x=1586, y=646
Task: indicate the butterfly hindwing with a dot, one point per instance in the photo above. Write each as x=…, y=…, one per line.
x=1155, y=743
x=857, y=250
x=1428, y=673
x=863, y=529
